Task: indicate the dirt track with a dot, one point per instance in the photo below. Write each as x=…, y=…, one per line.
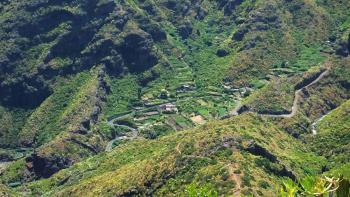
x=297, y=96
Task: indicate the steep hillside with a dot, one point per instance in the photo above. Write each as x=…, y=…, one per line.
x=235, y=156
x=137, y=97
x=333, y=136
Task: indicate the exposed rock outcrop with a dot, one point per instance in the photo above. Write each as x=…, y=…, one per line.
x=231, y=5
x=27, y=91
x=256, y=149
x=344, y=48
x=222, y=52
x=45, y=167
x=157, y=33
x=264, y=19
x=185, y=30
x=137, y=52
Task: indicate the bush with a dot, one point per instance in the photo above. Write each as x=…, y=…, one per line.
x=246, y=180
x=194, y=190
x=263, y=184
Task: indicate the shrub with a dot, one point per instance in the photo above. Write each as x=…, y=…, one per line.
x=194, y=190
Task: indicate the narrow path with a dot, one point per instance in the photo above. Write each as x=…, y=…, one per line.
x=177, y=148
x=236, y=178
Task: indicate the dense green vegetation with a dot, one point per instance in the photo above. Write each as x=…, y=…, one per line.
x=214, y=154
x=333, y=139
x=161, y=97
x=55, y=113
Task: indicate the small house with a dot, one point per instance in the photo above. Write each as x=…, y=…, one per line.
x=168, y=108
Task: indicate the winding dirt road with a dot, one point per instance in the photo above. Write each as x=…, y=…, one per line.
x=134, y=131
x=295, y=107
x=297, y=96
x=236, y=111
x=109, y=146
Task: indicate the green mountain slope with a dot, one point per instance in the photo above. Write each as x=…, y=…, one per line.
x=160, y=97
x=218, y=155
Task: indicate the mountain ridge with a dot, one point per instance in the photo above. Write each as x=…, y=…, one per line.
x=78, y=78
